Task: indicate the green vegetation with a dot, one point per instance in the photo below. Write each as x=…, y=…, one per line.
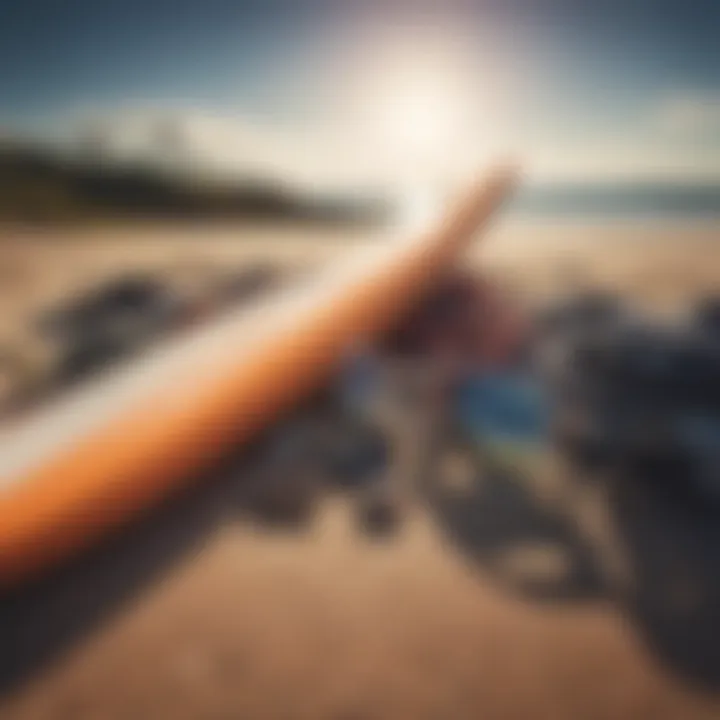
x=38, y=186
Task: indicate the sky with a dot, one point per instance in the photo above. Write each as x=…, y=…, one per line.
x=578, y=89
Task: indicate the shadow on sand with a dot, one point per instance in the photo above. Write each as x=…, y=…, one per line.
x=669, y=538
x=40, y=621
x=531, y=547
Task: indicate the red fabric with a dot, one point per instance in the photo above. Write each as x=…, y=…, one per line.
x=467, y=321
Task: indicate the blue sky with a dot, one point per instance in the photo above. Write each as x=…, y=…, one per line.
x=583, y=86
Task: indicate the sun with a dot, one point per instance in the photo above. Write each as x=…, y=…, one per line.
x=416, y=108
x=418, y=114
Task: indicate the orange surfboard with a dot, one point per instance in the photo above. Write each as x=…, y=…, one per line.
x=74, y=472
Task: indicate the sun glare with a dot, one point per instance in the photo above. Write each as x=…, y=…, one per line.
x=419, y=108
x=417, y=116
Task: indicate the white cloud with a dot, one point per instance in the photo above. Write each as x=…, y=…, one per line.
x=622, y=159
x=675, y=140
x=337, y=157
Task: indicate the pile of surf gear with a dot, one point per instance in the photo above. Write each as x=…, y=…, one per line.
x=467, y=319
x=245, y=283
x=602, y=385
x=606, y=387
x=360, y=449
x=109, y=322
x=503, y=415
x=115, y=319
x=633, y=393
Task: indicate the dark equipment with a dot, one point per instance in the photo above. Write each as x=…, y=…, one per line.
x=110, y=322
x=639, y=396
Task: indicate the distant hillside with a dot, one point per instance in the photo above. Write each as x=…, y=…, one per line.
x=40, y=186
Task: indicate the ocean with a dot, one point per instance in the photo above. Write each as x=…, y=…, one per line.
x=620, y=200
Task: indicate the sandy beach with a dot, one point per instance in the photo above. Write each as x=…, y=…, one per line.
x=657, y=262
x=499, y=601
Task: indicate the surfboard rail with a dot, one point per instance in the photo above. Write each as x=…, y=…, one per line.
x=60, y=502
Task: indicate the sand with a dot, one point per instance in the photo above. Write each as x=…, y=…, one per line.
x=496, y=600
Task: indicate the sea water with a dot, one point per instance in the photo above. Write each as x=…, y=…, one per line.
x=617, y=200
